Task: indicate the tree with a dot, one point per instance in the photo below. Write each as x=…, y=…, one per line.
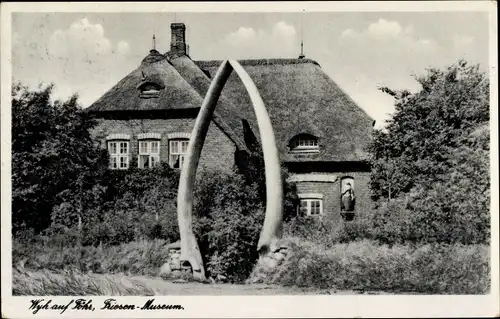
x=427, y=127
x=434, y=156
x=55, y=163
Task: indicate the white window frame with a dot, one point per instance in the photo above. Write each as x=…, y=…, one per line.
x=308, y=199
x=119, y=154
x=305, y=144
x=178, y=143
x=146, y=150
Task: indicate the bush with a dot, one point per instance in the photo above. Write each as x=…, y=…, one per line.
x=367, y=266
x=134, y=205
x=330, y=230
x=229, y=217
x=229, y=212
x=419, y=218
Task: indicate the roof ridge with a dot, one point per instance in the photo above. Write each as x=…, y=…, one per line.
x=253, y=62
x=153, y=57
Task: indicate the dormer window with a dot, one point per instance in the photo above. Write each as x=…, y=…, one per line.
x=304, y=143
x=150, y=89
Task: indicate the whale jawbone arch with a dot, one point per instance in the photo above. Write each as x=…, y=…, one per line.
x=272, y=229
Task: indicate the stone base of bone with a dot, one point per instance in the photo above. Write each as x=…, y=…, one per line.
x=217, y=279
x=267, y=264
x=173, y=269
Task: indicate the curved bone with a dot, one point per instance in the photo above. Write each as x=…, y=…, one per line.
x=271, y=231
x=190, y=250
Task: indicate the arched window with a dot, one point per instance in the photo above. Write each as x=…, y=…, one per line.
x=304, y=143
x=347, y=197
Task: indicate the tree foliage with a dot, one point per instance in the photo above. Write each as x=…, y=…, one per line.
x=434, y=155
x=417, y=147
x=54, y=159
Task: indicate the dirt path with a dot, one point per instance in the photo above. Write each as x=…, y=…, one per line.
x=28, y=282
x=168, y=287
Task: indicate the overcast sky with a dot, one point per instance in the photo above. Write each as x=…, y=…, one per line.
x=88, y=53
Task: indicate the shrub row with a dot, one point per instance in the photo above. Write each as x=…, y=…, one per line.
x=228, y=217
x=398, y=221
x=368, y=266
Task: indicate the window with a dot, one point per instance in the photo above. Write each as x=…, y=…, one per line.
x=177, y=151
x=149, y=153
x=304, y=143
x=118, y=154
x=150, y=88
x=310, y=205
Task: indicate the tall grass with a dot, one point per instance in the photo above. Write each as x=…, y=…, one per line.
x=360, y=265
x=364, y=265
x=73, y=283
x=138, y=258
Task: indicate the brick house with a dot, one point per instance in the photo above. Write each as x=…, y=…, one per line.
x=321, y=133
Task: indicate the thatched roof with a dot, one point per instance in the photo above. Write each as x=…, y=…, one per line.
x=178, y=94
x=175, y=93
x=301, y=98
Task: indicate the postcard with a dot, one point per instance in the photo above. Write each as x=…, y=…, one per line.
x=266, y=159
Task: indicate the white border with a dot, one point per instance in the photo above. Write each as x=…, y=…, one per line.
x=258, y=306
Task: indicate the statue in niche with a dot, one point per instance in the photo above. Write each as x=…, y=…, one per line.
x=348, y=198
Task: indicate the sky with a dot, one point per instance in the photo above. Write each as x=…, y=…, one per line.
x=88, y=53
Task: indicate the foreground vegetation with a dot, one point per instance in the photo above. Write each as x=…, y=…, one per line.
x=368, y=266
x=356, y=266
x=74, y=283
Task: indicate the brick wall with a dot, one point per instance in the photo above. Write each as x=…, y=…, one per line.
x=219, y=153
x=218, y=149
x=331, y=192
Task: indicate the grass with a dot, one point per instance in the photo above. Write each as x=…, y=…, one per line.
x=357, y=266
x=134, y=258
x=366, y=266
x=74, y=283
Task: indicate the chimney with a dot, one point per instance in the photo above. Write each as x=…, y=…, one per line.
x=178, y=42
